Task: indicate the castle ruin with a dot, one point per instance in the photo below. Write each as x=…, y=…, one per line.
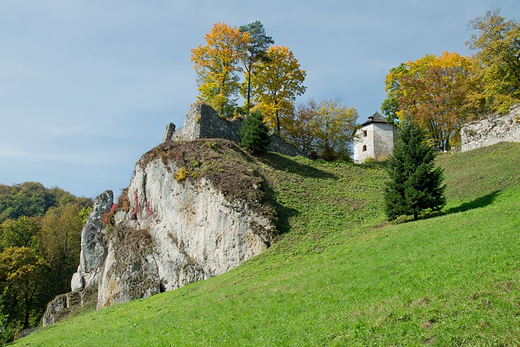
x=202, y=121
x=491, y=130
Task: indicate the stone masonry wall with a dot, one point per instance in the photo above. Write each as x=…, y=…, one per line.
x=202, y=121
x=379, y=142
x=491, y=130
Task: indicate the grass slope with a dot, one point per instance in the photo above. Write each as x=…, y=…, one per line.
x=340, y=275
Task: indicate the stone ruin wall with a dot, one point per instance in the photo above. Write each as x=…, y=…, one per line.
x=491, y=130
x=202, y=121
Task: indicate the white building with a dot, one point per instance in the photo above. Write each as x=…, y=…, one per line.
x=375, y=139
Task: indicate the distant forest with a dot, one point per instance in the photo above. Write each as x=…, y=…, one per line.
x=40, y=235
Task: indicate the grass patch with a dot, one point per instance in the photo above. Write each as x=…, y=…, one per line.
x=480, y=173
x=340, y=275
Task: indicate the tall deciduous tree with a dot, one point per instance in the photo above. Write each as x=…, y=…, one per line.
x=334, y=126
x=415, y=183
x=498, y=58
x=390, y=106
x=299, y=129
x=434, y=91
x=276, y=83
x=326, y=127
x=21, y=279
x=60, y=243
x=218, y=66
x=21, y=232
x=257, y=47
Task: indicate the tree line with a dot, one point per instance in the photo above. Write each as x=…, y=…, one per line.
x=244, y=63
x=441, y=93
x=40, y=236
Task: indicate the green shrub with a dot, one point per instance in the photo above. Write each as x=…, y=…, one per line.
x=415, y=183
x=254, y=134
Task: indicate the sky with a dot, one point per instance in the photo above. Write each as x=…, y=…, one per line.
x=88, y=86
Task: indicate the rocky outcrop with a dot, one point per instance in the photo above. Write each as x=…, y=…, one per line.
x=65, y=304
x=93, y=244
x=491, y=130
x=197, y=233
x=168, y=230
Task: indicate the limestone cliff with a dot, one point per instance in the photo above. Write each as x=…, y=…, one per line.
x=193, y=210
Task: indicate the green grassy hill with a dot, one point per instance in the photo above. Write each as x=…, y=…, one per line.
x=341, y=275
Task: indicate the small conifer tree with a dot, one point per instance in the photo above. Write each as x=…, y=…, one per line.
x=415, y=183
x=254, y=134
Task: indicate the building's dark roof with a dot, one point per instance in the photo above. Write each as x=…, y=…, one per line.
x=375, y=118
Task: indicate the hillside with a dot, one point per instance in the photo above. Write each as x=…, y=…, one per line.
x=339, y=274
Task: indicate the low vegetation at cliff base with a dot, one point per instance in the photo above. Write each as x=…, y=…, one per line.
x=341, y=275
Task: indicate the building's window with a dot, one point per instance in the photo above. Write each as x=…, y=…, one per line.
x=365, y=133
x=364, y=148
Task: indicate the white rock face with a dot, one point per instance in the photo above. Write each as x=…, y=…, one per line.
x=492, y=130
x=196, y=233
x=174, y=233
x=93, y=244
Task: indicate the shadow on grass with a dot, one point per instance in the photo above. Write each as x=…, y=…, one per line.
x=482, y=201
x=283, y=213
x=279, y=162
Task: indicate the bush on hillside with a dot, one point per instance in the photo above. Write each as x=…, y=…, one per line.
x=254, y=134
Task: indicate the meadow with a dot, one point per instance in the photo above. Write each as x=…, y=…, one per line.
x=339, y=274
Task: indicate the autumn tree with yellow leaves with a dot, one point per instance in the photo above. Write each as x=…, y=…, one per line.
x=497, y=60
x=272, y=76
x=276, y=83
x=217, y=64
x=326, y=128
x=434, y=92
x=22, y=280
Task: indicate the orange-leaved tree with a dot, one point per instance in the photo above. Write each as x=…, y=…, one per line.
x=217, y=64
x=434, y=91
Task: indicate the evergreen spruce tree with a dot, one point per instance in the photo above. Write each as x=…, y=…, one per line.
x=254, y=134
x=415, y=183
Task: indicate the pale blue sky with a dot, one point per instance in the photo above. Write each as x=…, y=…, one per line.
x=86, y=87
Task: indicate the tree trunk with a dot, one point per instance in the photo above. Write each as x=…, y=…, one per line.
x=277, y=123
x=249, y=88
x=27, y=312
